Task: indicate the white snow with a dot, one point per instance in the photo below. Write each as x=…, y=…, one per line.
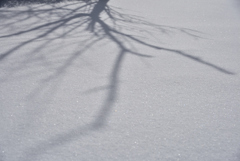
x=150, y=80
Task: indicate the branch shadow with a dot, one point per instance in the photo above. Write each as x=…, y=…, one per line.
x=14, y=3
x=87, y=16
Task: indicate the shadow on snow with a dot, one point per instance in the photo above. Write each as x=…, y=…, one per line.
x=86, y=15
x=13, y=3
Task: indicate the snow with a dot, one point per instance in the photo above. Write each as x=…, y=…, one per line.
x=155, y=80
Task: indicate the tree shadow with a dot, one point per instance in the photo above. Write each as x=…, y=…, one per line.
x=86, y=17
x=13, y=3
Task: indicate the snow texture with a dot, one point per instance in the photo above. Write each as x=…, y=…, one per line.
x=120, y=80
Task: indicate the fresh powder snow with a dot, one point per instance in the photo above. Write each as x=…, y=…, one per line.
x=120, y=80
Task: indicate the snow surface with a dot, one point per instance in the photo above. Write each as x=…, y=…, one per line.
x=140, y=80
